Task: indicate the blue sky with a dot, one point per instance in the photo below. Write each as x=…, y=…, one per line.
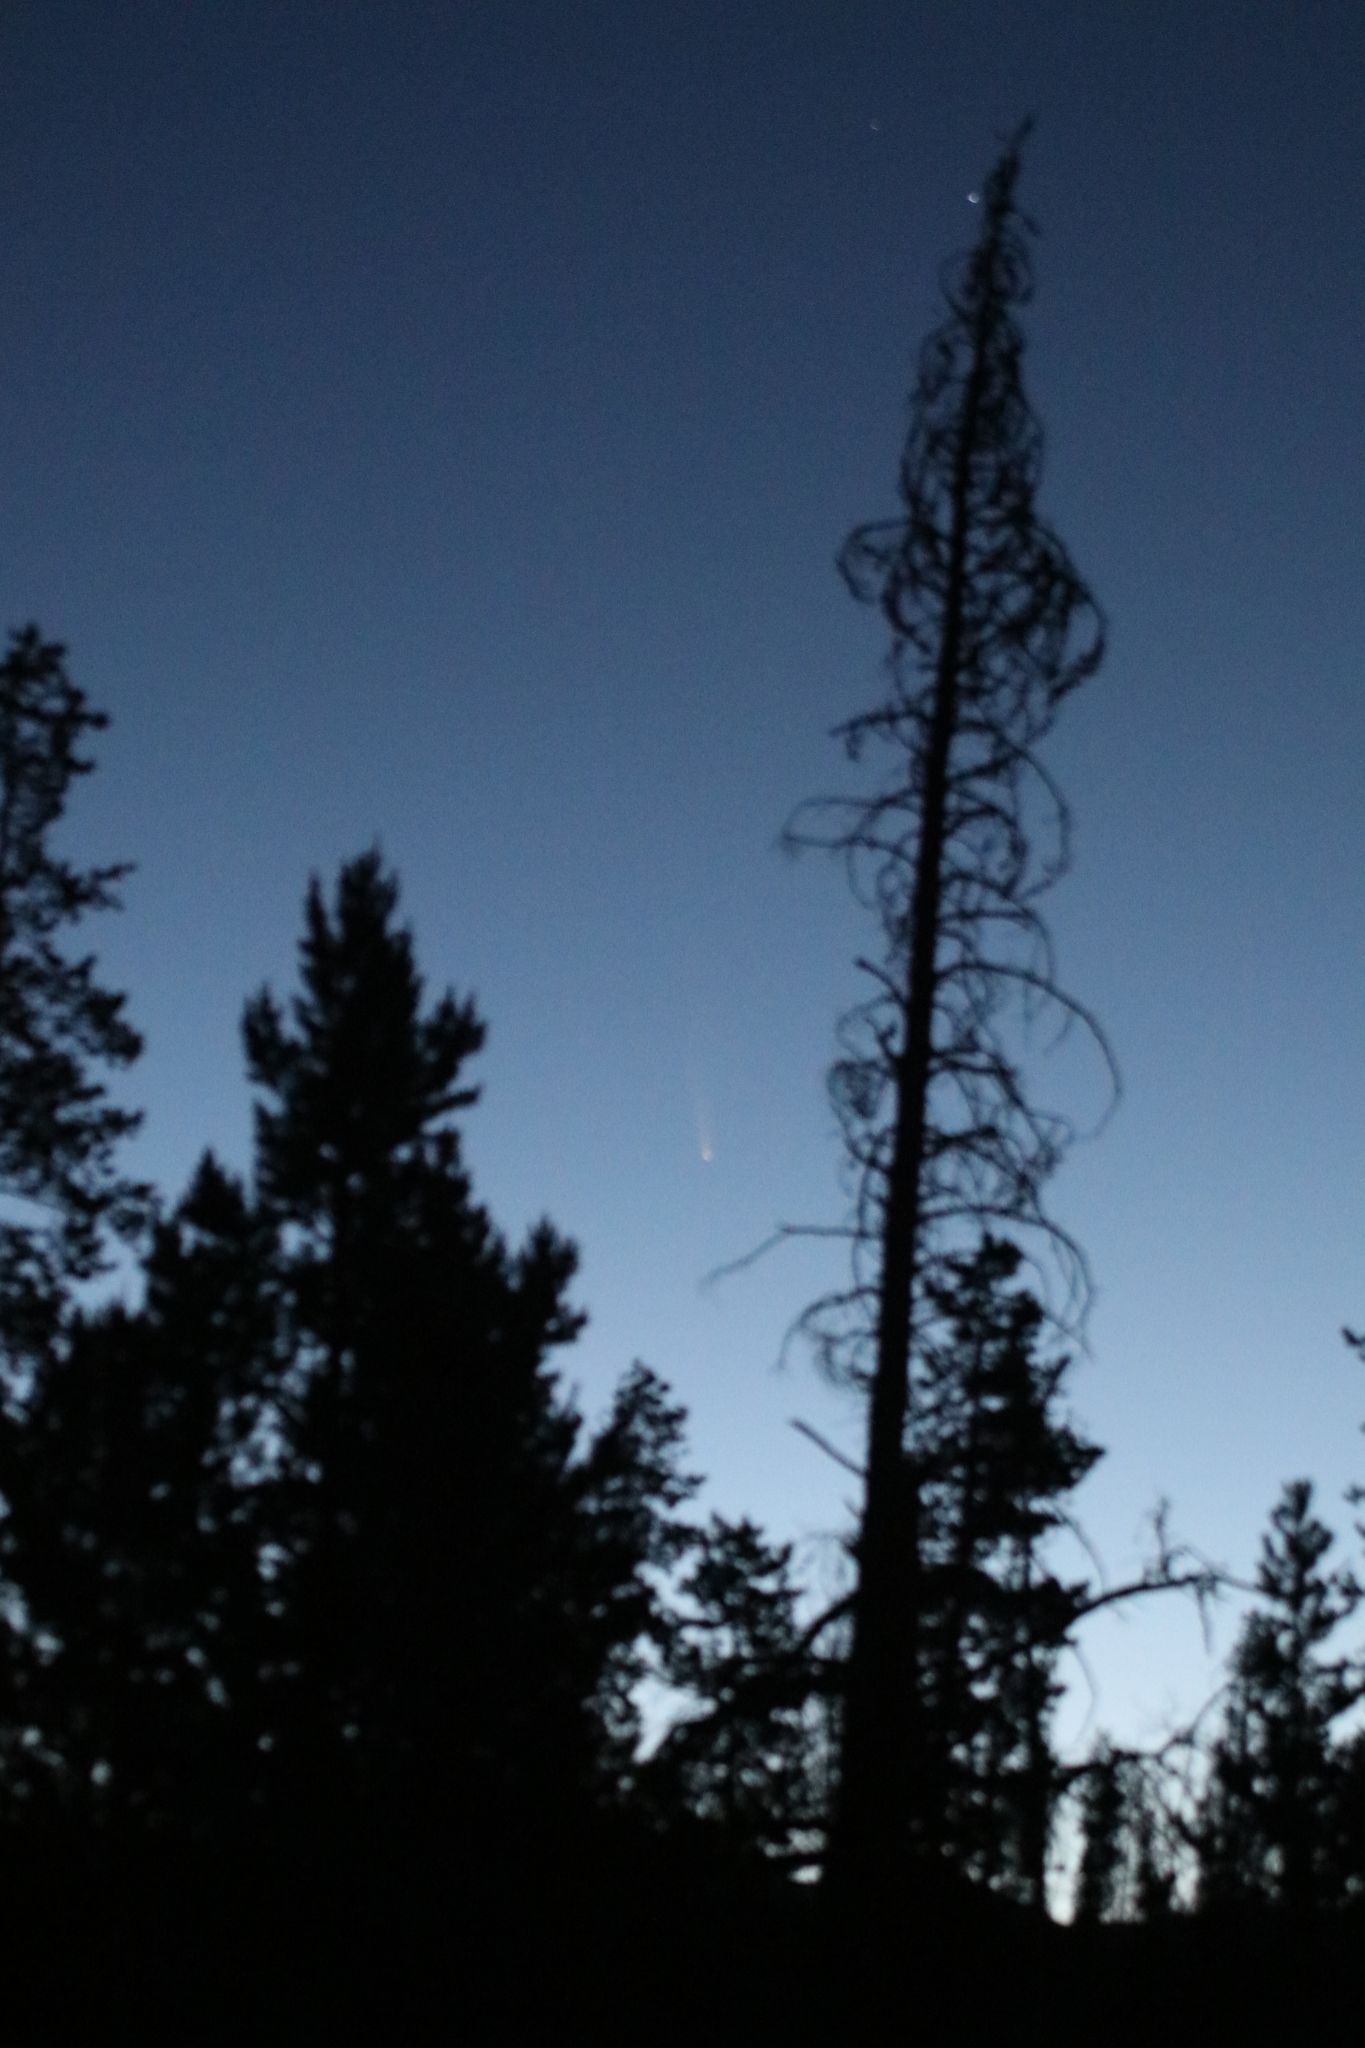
x=437, y=422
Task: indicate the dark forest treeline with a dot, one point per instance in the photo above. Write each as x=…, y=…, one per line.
x=326, y=1613
x=315, y=1524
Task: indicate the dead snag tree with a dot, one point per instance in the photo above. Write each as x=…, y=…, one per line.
x=991, y=628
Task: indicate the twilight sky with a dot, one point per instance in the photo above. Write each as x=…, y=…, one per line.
x=436, y=421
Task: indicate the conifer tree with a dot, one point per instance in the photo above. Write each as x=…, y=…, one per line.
x=61, y=1033
x=131, y=1537
x=996, y=1461
x=1102, y=1814
x=991, y=629
x=63, y=1195
x=740, y=1757
x=313, y=1538
x=1154, y=1865
x=425, y=1449
x=629, y=1488
x=466, y=1579
x=1270, y=1818
x=1126, y=1870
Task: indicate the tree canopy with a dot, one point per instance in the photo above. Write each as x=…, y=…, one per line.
x=61, y=1032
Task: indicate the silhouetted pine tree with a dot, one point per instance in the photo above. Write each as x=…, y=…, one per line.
x=215, y=1345
x=60, y=1186
x=1154, y=1865
x=423, y=1449
x=628, y=1485
x=132, y=1535
x=995, y=1460
x=313, y=1534
x=740, y=1756
x=464, y=1587
x=1269, y=1827
x=62, y=1195
x=991, y=628
x=1127, y=1869
x=1102, y=1813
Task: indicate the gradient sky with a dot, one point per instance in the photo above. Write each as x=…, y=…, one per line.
x=437, y=422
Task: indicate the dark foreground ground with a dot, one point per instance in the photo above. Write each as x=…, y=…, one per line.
x=608, y=1940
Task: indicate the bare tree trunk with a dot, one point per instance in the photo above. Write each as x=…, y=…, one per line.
x=881, y=1790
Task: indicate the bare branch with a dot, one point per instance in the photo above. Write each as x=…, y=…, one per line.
x=783, y=1233
x=823, y=1443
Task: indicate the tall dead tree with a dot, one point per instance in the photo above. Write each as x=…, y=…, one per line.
x=991, y=628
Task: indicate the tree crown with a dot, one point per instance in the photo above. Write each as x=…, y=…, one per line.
x=991, y=629
x=59, y=1132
